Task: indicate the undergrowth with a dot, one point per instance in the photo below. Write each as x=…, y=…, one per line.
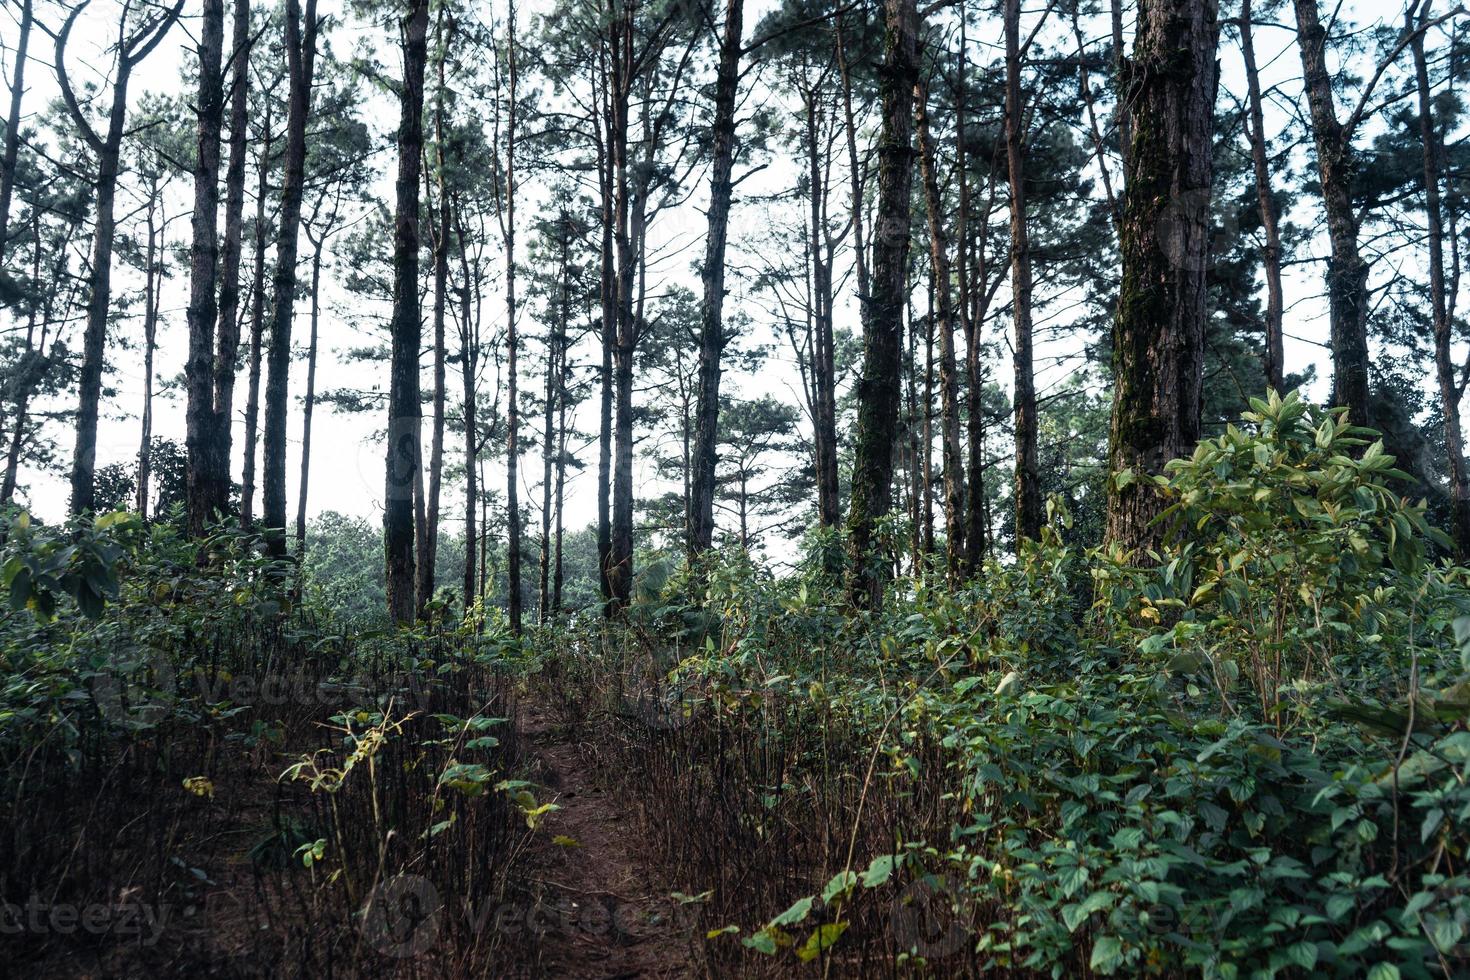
x=1244, y=755
x=197, y=774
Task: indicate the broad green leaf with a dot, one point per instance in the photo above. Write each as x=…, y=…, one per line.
x=823, y=938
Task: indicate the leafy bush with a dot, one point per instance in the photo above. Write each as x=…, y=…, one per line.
x=1251, y=757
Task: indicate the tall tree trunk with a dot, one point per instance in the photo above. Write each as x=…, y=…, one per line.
x=954, y=480
x=1449, y=389
x=207, y=480
x=712, y=323
x=1028, y=477
x=468, y=359
x=12, y=125
x=1347, y=273
x=1271, y=258
x=153, y=273
x=430, y=536
x=404, y=458
x=227, y=330
x=971, y=288
x=878, y=388
x=300, y=57
x=512, y=342
x=555, y=341
x=84, y=458
x=625, y=342
x=257, y=338
x=131, y=50
x=824, y=371
x=484, y=531
x=1158, y=333
x=309, y=403
x=604, y=474
x=607, y=297
x=620, y=561
x=561, y=481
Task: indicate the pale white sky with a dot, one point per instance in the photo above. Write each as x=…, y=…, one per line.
x=347, y=463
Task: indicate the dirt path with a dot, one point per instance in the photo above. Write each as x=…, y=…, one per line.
x=599, y=916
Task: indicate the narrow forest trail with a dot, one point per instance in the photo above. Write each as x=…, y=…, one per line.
x=600, y=914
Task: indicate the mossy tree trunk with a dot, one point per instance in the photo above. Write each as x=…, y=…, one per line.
x=878, y=387
x=1028, y=476
x=1158, y=332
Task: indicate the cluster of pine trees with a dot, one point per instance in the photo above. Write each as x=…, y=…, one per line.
x=915, y=200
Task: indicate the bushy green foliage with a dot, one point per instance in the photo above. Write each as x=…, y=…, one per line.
x=1249, y=757
x=1292, y=559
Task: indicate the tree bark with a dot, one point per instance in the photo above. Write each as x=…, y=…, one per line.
x=1270, y=219
x=513, y=411
x=152, y=274
x=554, y=403
x=608, y=336
x=971, y=288
x=625, y=340
x=712, y=337
x=12, y=125
x=878, y=388
x=1347, y=273
x=1158, y=333
x=300, y=57
x=469, y=343
x=953, y=464
x=557, y=576
x=257, y=337
x=309, y=403
x=227, y=330
x=1028, y=477
x=1444, y=368
x=404, y=457
x=429, y=552
x=203, y=472
x=824, y=370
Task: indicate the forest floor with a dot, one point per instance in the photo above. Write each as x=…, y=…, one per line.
x=600, y=914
